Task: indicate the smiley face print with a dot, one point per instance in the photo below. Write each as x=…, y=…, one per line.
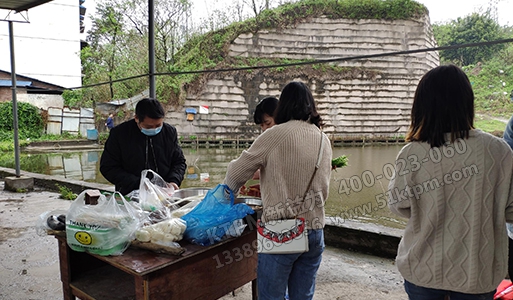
x=84, y=238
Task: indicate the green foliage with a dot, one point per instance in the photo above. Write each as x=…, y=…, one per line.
x=489, y=68
x=66, y=193
x=473, y=28
x=339, y=162
x=489, y=125
x=75, y=98
x=102, y=137
x=118, y=48
x=492, y=83
x=7, y=143
x=65, y=135
x=115, y=52
x=30, y=122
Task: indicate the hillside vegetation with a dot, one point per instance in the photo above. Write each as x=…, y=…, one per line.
x=489, y=68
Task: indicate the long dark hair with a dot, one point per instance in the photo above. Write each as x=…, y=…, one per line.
x=443, y=103
x=297, y=103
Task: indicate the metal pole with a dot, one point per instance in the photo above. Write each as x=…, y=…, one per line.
x=151, y=47
x=14, y=102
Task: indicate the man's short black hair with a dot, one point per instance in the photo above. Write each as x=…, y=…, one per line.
x=149, y=107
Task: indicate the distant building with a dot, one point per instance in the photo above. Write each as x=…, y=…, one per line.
x=36, y=92
x=48, y=47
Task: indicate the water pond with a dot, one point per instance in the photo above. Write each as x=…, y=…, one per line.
x=356, y=191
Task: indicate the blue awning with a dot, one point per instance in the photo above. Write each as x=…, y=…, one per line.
x=7, y=82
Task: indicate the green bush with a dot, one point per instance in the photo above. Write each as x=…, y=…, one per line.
x=65, y=135
x=74, y=98
x=30, y=122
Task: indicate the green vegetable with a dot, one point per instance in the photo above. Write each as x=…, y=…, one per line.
x=339, y=162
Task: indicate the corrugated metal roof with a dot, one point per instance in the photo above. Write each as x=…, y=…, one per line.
x=21, y=5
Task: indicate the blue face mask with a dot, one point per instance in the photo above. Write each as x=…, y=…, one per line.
x=151, y=132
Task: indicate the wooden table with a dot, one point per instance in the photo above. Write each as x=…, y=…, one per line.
x=199, y=273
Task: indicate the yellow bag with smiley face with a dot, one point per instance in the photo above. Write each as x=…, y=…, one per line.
x=104, y=228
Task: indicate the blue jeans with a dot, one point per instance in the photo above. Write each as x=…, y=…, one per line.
x=416, y=292
x=297, y=272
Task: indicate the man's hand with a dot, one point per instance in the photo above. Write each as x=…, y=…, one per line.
x=174, y=185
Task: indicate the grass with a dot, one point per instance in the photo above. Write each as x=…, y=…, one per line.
x=66, y=193
x=7, y=146
x=489, y=125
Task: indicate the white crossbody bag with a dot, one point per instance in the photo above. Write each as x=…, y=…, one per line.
x=289, y=235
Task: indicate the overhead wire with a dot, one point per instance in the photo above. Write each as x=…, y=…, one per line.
x=309, y=62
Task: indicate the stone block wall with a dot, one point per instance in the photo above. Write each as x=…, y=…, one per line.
x=371, y=99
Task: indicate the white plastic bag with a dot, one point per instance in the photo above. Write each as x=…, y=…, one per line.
x=154, y=192
x=106, y=228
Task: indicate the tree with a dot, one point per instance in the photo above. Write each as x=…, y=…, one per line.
x=112, y=46
x=172, y=25
x=470, y=29
x=237, y=11
x=118, y=46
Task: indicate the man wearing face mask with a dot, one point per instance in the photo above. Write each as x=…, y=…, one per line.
x=145, y=142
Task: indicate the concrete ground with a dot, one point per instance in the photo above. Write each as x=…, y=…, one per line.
x=29, y=267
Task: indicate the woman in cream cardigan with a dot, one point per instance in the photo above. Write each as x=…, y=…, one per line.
x=286, y=155
x=454, y=184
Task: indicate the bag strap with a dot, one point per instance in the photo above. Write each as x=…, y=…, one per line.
x=317, y=165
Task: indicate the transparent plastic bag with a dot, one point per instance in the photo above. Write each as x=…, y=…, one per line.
x=180, y=212
x=163, y=233
x=157, y=216
x=154, y=192
x=106, y=228
x=51, y=220
x=210, y=220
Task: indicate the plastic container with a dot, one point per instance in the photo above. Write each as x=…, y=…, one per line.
x=92, y=134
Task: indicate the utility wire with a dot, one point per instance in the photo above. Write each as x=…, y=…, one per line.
x=311, y=62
